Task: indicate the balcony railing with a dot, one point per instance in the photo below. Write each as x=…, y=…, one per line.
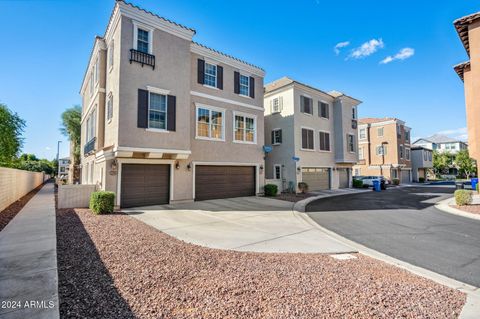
x=89, y=147
x=354, y=124
x=142, y=58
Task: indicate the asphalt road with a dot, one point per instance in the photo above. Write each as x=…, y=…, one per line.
x=403, y=223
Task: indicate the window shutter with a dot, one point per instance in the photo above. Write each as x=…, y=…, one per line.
x=304, y=138
x=219, y=77
x=310, y=106
x=320, y=113
x=327, y=141
x=310, y=139
x=252, y=87
x=273, y=137
x=171, y=112
x=280, y=136
x=327, y=107
x=142, y=113
x=322, y=141
x=280, y=103
x=201, y=71
x=236, y=82
x=302, y=104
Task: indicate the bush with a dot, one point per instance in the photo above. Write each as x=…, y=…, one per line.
x=463, y=197
x=270, y=190
x=421, y=179
x=303, y=187
x=396, y=181
x=477, y=187
x=102, y=202
x=357, y=183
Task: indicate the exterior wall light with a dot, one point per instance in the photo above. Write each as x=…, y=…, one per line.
x=177, y=165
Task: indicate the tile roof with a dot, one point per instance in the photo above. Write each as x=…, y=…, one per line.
x=370, y=120
x=461, y=25
x=460, y=68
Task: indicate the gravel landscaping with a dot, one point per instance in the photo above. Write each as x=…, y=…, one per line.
x=11, y=211
x=474, y=209
x=113, y=266
x=292, y=197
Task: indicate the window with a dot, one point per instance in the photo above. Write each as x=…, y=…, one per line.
x=91, y=120
x=210, y=123
x=362, y=133
x=245, y=130
x=401, y=151
x=157, y=111
x=276, y=136
x=91, y=82
x=244, y=85
x=276, y=106
x=425, y=156
x=210, y=78
x=354, y=113
x=394, y=173
x=351, y=143
x=306, y=105
x=381, y=150
x=324, y=141
x=143, y=41
x=109, y=107
x=429, y=156
x=97, y=71
x=407, y=136
x=323, y=110
x=380, y=131
x=407, y=154
x=399, y=131
x=360, y=153
x=307, y=139
x=110, y=55
x=277, y=171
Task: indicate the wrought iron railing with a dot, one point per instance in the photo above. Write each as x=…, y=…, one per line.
x=89, y=147
x=354, y=124
x=142, y=58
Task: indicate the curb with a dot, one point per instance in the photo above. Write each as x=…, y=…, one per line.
x=301, y=204
x=444, y=206
x=470, y=310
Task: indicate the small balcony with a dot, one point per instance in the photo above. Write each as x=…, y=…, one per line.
x=354, y=124
x=89, y=147
x=142, y=58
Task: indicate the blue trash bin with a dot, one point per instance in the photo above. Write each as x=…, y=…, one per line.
x=376, y=186
x=474, y=182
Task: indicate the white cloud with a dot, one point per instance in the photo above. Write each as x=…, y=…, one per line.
x=403, y=54
x=47, y=148
x=339, y=46
x=456, y=131
x=367, y=49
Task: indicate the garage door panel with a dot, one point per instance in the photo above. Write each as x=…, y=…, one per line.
x=316, y=178
x=343, y=177
x=214, y=182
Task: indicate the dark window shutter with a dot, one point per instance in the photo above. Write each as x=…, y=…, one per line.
x=310, y=139
x=252, y=87
x=310, y=106
x=302, y=104
x=236, y=82
x=219, y=77
x=201, y=71
x=327, y=141
x=304, y=138
x=273, y=137
x=280, y=136
x=171, y=113
x=322, y=141
x=142, y=113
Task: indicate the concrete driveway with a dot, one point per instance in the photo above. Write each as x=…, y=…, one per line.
x=252, y=224
x=404, y=223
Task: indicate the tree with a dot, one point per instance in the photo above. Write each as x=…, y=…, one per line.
x=11, y=129
x=442, y=161
x=71, y=127
x=465, y=163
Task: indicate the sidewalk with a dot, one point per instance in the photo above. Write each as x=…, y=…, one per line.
x=28, y=261
x=300, y=205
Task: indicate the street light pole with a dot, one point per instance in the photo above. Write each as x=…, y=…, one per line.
x=58, y=163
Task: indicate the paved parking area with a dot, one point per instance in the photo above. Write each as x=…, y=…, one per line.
x=252, y=224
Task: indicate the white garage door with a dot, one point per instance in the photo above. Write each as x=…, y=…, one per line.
x=316, y=178
x=343, y=178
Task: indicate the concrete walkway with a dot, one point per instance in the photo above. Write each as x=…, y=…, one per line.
x=254, y=224
x=28, y=261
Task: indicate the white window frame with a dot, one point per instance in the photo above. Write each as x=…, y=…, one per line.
x=329, y=141
x=360, y=134
x=311, y=106
x=401, y=151
x=240, y=85
x=301, y=136
x=328, y=110
x=274, y=136
x=210, y=109
x=91, y=123
x=275, y=171
x=109, y=108
x=111, y=52
x=216, y=75
x=361, y=156
x=166, y=112
x=245, y=115
x=353, y=142
x=273, y=110
x=92, y=83
x=378, y=131
x=137, y=25
x=383, y=149
x=97, y=71
x=407, y=153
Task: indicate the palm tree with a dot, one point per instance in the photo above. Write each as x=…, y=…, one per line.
x=71, y=128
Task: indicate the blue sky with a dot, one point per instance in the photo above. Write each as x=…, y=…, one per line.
x=46, y=44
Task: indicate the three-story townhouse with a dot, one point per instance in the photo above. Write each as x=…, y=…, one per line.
x=313, y=135
x=173, y=120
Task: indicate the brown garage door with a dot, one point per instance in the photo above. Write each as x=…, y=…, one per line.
x=144, y=185
x=405, y=176
x=316, y=178
x=343, y=178
x=213, y=182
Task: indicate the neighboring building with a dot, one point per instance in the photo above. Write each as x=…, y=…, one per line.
x=422, y=162
x=384, y=149
x=441, y=143
x=166, y=119
x=64, y=167
x=468, y=29
x=312, y=133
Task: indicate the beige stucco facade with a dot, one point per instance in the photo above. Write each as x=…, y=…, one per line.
x=395, y=163
x=121, y=141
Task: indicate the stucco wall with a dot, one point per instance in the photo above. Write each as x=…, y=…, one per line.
x=15, y=183
x=74, y=196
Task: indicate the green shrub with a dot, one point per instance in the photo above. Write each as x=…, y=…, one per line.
x=421, y=179
x=463, y=197
x=477, y=187
x=270, y=190
x=396, y=181
x=357, y=183
x=303, y=187
x=102, y=202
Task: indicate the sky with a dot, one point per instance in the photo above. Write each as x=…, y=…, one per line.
x=396, y=57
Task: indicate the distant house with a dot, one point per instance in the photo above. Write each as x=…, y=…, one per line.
x=441, y=143
x=422, y=162
x=64, y=167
